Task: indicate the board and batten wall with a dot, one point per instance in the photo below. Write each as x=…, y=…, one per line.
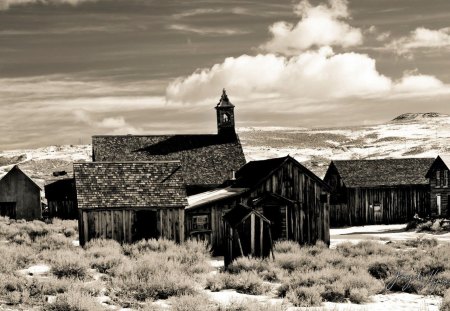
x=17, y=188
x=310, y=215
x=120, y=224
x=380, y=205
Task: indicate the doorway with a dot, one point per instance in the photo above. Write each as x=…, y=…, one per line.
x=8, y=209
x=145, y=225
x=277, y=215
x=438, y=204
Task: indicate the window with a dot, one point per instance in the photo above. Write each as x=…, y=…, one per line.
x=445, y=178
x=438, y=179
x=438, y=204
x=200, y=222
x=377, y=207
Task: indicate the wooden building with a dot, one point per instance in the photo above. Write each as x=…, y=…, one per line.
x=439, y=186
x=207, y=159
x=61, y=198
x=247, y=233
x=130, y=201
x=289, y=195
x=20, y=196
x=384, y=191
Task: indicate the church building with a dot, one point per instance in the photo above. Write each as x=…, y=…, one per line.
x=207, y=160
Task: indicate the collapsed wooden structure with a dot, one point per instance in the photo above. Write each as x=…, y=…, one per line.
x=381, y=191
x=282, y=190
x=247, y=233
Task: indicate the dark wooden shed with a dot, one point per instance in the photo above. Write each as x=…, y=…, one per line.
x=130, y=201
x=383, y=191
x=439, y=186
x=285, y=192
x=20, y=196
x=247, y=233
x=61, y=198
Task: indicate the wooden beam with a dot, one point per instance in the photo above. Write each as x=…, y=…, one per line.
x=252, y=234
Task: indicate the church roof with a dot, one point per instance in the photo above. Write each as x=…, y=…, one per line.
x=205, y=159
x=224, y=101
x=129, y=184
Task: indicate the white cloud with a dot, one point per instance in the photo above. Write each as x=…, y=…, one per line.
x=418, y=83
x=6, y=4
x=115, y=125
x=207, y=30
x=421, y=38
x=322, y=25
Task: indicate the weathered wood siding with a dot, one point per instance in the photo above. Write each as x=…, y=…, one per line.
x=17, y=188
x=440, y=188
x=309, y=218
x=396, y=205
x=61, y=199
x=120, y=224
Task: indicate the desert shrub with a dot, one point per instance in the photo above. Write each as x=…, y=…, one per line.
x=52, y=242
x=404, y=282
x=286, y=247
x=69, y=265
x=250, y=305
x=191, y=302
x=104, y=255
x=362, y=279
x=334, y=292
x=14, y=257
x=379, y=270
x=69, y=232
x=445, y=304
x=73, y=301
x=265, y=269
x=106, y=264
x=421, y=242
x=364, y=248
x=14, y=289
x=144, y=246
x=243, y=282
x=305, y=296
x=20, y=238
x=152, y=276
x=359, y=295
x=425, y=226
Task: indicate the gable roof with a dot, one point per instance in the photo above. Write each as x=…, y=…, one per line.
x=16, y=168
x=440, y=160
x=255, y=172
x=122, y=185
x=206, y=159
x=382, y=172
x=240, y=213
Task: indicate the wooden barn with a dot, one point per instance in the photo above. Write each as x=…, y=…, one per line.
x=384, y=191
x=207, y=159
x=247, y=232
x=61, y=198
x=289, y=195
x=130, y=201
x=439, y=186
x=20, y=196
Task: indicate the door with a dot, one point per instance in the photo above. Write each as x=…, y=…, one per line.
x=277, y=215
x=8, y=209
x=145, y=225
x=438, y=204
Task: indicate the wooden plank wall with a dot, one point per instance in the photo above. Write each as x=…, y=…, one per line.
x=398, y=205
x=62, y=209
x=118, y=224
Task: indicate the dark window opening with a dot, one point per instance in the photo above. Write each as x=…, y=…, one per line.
x=146, y=225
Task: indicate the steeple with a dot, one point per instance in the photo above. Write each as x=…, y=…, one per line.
x=225, y=115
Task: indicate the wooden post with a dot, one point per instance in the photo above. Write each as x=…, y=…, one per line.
x=252, y=234
x=239, y=242
x=261, y=235
x=271, y=243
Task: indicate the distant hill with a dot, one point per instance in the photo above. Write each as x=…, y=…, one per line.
x=408, y=135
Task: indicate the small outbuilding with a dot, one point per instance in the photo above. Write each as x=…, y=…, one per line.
x=439, y=186
x=247, y=234
x=282, y=190
x=130, y=201
x=383, y=191
x=20, y=196
x=61, y=198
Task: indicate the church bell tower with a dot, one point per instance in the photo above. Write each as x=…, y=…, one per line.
x=225, y=116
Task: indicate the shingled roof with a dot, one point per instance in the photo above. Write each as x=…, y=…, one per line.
x=254, y=172
x=206, y=159
x=382, y=172
x=122, y=185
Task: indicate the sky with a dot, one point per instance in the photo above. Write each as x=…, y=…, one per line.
x=70, y=69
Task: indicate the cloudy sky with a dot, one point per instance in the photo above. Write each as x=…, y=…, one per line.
x=73, y=68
